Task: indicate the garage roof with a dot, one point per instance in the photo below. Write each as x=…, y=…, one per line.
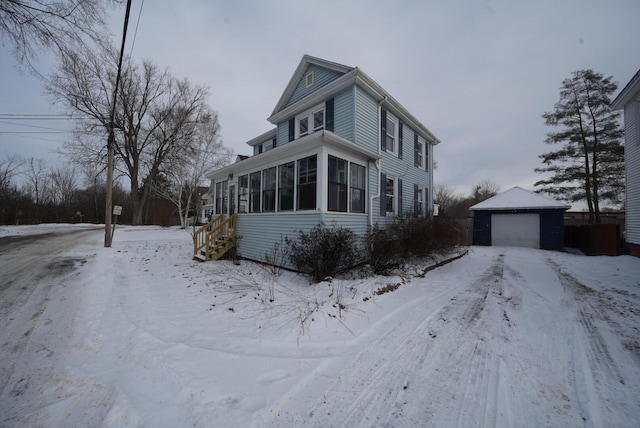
x=519, y=198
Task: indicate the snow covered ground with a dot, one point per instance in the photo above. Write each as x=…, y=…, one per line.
x=141, y=335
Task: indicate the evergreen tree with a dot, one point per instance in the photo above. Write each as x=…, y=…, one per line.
x=589, y=166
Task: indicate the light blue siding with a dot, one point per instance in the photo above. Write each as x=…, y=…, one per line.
x=260, y=232
x=366, y=120
x=322, y=76
x=283, y=133
x=343, y=123
x=405, y=170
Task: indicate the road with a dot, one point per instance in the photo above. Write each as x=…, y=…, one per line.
x=32, y=268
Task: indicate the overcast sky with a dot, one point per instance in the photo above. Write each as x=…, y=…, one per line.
x=478, y=74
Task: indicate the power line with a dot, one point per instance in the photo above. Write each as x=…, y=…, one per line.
x=31, y=126
x=35, y=116
x=136, y=32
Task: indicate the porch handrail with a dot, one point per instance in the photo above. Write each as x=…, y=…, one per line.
x=206, y=236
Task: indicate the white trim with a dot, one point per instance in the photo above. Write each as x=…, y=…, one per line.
x=302, y=145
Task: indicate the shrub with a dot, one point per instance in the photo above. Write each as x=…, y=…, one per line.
x=324, y=251
x=408, y=236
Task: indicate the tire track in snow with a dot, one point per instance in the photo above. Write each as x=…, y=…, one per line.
x=383, y=388
x=587, y=311
x=591, y=367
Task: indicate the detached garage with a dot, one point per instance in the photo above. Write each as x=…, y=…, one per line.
x=519, y=218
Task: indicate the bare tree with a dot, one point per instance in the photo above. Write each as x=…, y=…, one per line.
x=34, y=25
x=484, y=190
x=446, y=198
x=156, y=116
x=185, y=171
x=37, y=185
x=64, y=183
x=10, y=166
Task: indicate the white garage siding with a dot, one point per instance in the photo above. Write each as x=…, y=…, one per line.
x=515, y=230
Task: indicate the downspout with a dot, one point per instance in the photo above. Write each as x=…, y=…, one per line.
x=378, y=164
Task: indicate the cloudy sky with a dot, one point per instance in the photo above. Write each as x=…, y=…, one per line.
x=478, y=74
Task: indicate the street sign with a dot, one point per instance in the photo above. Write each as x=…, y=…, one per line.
x=117, y=209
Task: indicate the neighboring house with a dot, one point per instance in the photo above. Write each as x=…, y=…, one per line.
x=342, y=151
x=519, y=218
x=629, y=101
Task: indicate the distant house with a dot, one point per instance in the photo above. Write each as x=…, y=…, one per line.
x=519, y=218
x=341, y=151
x=629, y=100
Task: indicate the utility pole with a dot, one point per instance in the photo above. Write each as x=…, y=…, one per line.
x=111, y=139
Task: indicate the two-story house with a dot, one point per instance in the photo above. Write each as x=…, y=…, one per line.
x=342, y=150
x=629, y=100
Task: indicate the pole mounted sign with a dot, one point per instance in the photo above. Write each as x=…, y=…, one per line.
x=117, y=210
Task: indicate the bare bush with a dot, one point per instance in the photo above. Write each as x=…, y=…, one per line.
x=409, y=235
x=324, y=251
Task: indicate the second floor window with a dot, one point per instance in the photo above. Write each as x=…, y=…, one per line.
x=391, y=142
x=310, y=121
x=419, y=154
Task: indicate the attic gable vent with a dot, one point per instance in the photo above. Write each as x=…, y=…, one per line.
x=310, y=78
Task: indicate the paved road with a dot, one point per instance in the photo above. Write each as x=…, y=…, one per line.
x=30, y=267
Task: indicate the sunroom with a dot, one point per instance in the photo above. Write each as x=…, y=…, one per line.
x=317, y=178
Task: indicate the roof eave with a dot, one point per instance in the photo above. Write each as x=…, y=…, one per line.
x=300, y=145
x=263, y=137
x=309, y=101
x=378, y=91
x=627, y=93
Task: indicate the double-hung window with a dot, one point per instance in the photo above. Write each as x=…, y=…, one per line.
x=310, y=121
x=269, y=190
x=391, y=140
x=420, y=198
x=254, y=192
x=390, y=193
x=286, y=181
x=307, y=180
x=357, y=188
x=337, y=184
x=420, y=153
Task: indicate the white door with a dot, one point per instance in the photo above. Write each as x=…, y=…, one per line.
x=515, y=230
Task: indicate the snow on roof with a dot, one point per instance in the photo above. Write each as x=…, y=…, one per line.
x=518, y=198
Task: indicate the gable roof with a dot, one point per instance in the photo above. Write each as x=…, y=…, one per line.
x=349, y=77
x=518, y=198
x=627, y=93
x=306, y=61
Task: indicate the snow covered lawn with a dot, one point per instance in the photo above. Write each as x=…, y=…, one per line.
x=141, y=335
